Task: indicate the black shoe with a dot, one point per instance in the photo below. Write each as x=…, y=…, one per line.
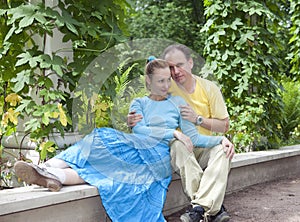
x=221, y=216
x=193, y=215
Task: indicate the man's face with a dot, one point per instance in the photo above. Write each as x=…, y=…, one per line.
x=182, y=68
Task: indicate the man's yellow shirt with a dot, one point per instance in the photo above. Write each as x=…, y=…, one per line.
x=206, y=100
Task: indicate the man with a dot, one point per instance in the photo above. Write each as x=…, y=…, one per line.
x=206, y=188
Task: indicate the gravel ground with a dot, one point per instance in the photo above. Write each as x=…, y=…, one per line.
x=267, y=202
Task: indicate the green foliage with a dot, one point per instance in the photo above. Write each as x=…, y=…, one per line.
x=135, y=88
x=8, y=125
x=290, y=120
x=247, y=114
x=5, y=171
x=243, y=51
x=294, y=55
x=244, y=44
x=43, y=78
x=113, y=112
x=154, y=19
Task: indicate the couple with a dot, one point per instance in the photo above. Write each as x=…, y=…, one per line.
x=131, y=171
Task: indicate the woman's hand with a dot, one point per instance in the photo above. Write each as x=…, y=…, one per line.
x=185, y=140
x=228, y=148
x=133, y=118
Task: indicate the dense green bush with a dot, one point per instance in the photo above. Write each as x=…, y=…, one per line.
x=42, y=78
x=244, y=45
x=290, y=120
x=36, y=81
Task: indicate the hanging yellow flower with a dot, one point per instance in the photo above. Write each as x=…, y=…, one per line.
x=62, y=115
x=13, y=99
x=11, y=116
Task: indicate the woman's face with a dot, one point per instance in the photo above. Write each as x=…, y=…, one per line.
x=160, y=82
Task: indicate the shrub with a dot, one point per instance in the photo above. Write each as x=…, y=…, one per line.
x=290, y=120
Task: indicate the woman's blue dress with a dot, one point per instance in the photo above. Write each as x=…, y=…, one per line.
x=132, y=171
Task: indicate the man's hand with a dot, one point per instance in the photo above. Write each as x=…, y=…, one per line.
x=133, y=118
x=228, y=148
x=188, y=113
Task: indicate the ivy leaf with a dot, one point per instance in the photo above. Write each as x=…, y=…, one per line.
x=224, y=56
x=244, y=37
x=213, y=9
x=43, y=152
x=45, y=61
x=46, y=147
x=216, y=39
x=40, y=18
x=22, y=78
x=33, y=62
x=10, y=32
x=24, y=105
x=38, y=112
x=69, y=22
x=45, y=118
x=47, y=82
x=72, y=28
x=54, y=115
x=57, y=63
x=26, y=21
x=16, y=13
x=207, y=25
x=2, y=12
x=236, y=23
x=32, y=125
x=249, y=35
x=5, y=47
x=256, y=8
x=24, y=58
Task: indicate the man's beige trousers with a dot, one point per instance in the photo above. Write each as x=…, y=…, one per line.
x=203, y=174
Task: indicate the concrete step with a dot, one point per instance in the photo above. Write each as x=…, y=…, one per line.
x=82, y=202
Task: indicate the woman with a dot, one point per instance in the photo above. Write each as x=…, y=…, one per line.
x=131, y=171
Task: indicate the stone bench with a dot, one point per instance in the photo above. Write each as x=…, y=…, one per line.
x=82, y=202
x=246, y=169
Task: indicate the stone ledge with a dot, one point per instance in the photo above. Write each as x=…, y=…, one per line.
x=258, y=167
x=244, y=159
x=246, y=168
x=31, y=197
